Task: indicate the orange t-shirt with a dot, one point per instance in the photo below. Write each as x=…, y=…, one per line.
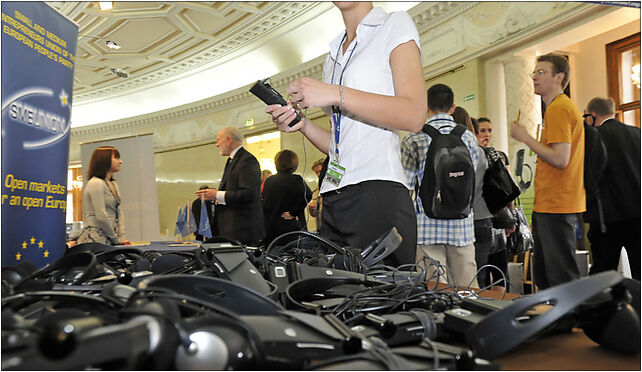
x=561, y=190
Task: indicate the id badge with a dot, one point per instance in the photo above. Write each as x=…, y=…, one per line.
x=335, y=173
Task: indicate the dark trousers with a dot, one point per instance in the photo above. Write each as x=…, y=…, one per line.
x=486, y=253
x=483, y=247
x=554, y=251
x=356, y=215
x=606, y=247
x=499, y=259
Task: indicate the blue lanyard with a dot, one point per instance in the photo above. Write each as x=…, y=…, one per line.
x=336, y=112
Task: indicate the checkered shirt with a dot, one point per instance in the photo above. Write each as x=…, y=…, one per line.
x=414, y=148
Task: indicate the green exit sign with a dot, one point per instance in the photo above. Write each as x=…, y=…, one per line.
x=469, y=97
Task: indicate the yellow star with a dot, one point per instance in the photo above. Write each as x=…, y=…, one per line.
x=24, y=244
x=32, y=240
x=45, y=253
x=18, y=256
x=40, y=244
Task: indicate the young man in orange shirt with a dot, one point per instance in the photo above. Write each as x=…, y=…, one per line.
x=559, y=176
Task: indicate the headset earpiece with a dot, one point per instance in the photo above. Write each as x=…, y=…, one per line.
x=615, y=324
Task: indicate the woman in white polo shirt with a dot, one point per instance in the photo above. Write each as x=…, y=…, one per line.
x=373, y=86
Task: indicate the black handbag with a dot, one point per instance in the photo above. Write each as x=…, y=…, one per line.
x=499, y=187
x=522, y=239
x=504, y=219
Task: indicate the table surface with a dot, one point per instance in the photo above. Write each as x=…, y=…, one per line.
x=571, y=352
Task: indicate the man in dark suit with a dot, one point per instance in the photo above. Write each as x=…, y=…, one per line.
x=619, y=190
x=238, y=213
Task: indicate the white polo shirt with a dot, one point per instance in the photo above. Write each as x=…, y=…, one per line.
x=367, y=151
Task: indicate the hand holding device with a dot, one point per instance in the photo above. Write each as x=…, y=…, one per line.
x=270, y=96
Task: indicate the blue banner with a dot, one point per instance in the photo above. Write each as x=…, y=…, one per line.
x=38, y=57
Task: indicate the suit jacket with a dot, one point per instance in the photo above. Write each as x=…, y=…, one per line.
x=620, y=183
x=241, y=218
x=284, y=192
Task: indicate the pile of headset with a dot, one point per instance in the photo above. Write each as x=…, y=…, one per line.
x=227, y=306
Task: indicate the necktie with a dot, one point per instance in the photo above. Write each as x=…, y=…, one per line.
x=227, y=164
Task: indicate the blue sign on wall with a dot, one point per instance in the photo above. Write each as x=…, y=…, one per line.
x=38, y=58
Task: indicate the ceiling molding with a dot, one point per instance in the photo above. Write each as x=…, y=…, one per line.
x=238, y=96
x=422, y=14
x=254, y=21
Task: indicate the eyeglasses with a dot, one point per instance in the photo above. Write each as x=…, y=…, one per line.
x=537, y=73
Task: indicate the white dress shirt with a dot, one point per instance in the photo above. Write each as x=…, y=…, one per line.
x=367, y=151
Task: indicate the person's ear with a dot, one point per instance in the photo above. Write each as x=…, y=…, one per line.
x=452, y=109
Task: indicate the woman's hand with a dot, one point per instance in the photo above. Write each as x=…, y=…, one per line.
x=287, y=216
x=307, y=92
x=282, y=116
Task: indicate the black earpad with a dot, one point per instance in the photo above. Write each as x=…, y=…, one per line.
x=88, y=247
x=615, y=324
x=142, y=265
x=14, y=274
x=617, y=329
x=75, y=268
x=166, y=263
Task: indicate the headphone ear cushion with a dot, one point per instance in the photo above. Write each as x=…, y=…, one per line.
x=617, y=330
x=142, y=264
x=14, y=274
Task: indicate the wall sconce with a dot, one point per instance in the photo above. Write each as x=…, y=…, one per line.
x=635, y=76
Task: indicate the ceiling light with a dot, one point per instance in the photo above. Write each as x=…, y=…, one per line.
x=105, y=5
x=112, y=44
x=119, y=72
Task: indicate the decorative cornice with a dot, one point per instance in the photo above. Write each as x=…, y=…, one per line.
x=313, y=69
x=234, y=40
x=438, y=13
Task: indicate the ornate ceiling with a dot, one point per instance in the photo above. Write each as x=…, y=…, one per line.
x=160, y=40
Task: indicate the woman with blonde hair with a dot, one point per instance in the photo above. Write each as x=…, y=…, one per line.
x=101, y=204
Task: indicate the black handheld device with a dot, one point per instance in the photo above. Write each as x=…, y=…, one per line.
x=267, y=94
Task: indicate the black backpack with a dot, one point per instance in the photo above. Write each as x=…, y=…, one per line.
x=595, y=159
x=448, y=184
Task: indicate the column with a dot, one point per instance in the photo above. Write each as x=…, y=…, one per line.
x=520, y=96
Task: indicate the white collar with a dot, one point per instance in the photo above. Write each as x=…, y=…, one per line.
x=234, y=152
x=374, y=18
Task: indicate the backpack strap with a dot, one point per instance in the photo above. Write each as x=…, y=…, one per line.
x=458, y=130
x=431, y=131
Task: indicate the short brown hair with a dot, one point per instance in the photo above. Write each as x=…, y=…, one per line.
x=286, y=161
x=100, y=162
x=601, y=106
x=560, y=65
